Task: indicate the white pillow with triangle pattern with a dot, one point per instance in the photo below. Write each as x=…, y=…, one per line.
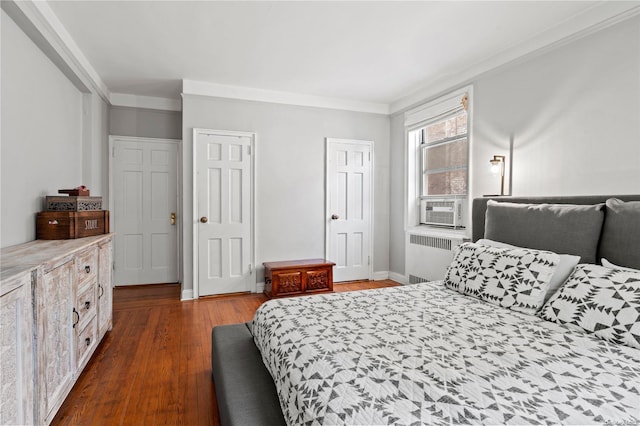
x=599, y=300
x=515, y=278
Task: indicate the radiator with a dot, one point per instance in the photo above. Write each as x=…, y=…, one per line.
x=427, y=256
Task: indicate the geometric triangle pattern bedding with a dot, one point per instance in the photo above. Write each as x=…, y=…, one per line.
x=425, y=354
x=603, y=301
x=515, y=278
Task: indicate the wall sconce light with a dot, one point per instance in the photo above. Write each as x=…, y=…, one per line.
x=497, y=167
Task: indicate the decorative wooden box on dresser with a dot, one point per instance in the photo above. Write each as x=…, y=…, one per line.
x=69, y=285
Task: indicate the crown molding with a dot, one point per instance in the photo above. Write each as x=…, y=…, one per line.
x=148, y=102
x=41, y=24
x=201, y=88
x=590, y=21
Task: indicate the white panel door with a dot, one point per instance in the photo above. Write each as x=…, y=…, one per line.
x=223, y=193
x=349, y=208
x=145, y=207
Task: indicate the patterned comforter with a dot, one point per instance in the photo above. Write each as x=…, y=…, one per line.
x=424, y=354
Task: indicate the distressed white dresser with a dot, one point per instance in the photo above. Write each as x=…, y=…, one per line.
x=55, y=307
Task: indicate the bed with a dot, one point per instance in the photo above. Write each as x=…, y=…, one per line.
x=528, y=327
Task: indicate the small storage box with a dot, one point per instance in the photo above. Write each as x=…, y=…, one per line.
x=297, y=277
x=73, y=203
x=60, y=225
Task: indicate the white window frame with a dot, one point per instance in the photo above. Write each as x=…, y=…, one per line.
x=420, y=117
x=425, y=146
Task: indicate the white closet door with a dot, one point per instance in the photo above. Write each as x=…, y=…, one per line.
x=224, y=187
x=349, y=165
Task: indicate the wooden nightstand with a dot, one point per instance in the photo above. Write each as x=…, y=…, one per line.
x=295, y=277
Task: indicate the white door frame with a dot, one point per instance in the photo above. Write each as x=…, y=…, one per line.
x=178, y=142
x=328, y=212
x=195, y=218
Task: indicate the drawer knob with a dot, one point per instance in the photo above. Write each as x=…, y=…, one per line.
x=87, y=341
x=87, y=304
x=335, y=217
x=87, y=269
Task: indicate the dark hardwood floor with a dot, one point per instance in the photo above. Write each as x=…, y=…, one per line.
x=154, y=367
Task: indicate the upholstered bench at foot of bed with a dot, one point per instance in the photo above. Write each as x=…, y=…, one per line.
x=249, y=398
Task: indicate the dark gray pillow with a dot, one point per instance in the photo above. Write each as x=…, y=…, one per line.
x=620, y=242
x=560, y=228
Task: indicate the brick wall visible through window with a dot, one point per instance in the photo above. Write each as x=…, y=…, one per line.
x=444, y=148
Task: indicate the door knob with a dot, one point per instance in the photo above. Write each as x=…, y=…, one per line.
x=204, y=219
x=173, y=218
x=335, y=217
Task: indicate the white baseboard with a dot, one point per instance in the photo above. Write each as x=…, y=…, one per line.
x=387, y=275
x=398, y=278
x=380, y=275
x=187, y=294
x=259, y=287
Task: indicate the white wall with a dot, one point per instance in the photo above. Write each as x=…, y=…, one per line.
x=45, y=119
x=290, y=173
x=95, y=147
x=145, y=123
x=573, y=114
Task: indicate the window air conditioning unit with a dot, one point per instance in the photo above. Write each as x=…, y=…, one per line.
x=442, y=212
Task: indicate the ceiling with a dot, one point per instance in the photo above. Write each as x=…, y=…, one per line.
x=367, y=51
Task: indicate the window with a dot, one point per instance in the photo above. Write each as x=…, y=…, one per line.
x=438, y=136
x=444, y=154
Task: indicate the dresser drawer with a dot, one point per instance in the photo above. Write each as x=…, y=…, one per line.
x=85, y=305
x=86, y=342
x=87, y=266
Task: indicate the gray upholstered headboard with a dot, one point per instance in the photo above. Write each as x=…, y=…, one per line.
x=624, y=251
